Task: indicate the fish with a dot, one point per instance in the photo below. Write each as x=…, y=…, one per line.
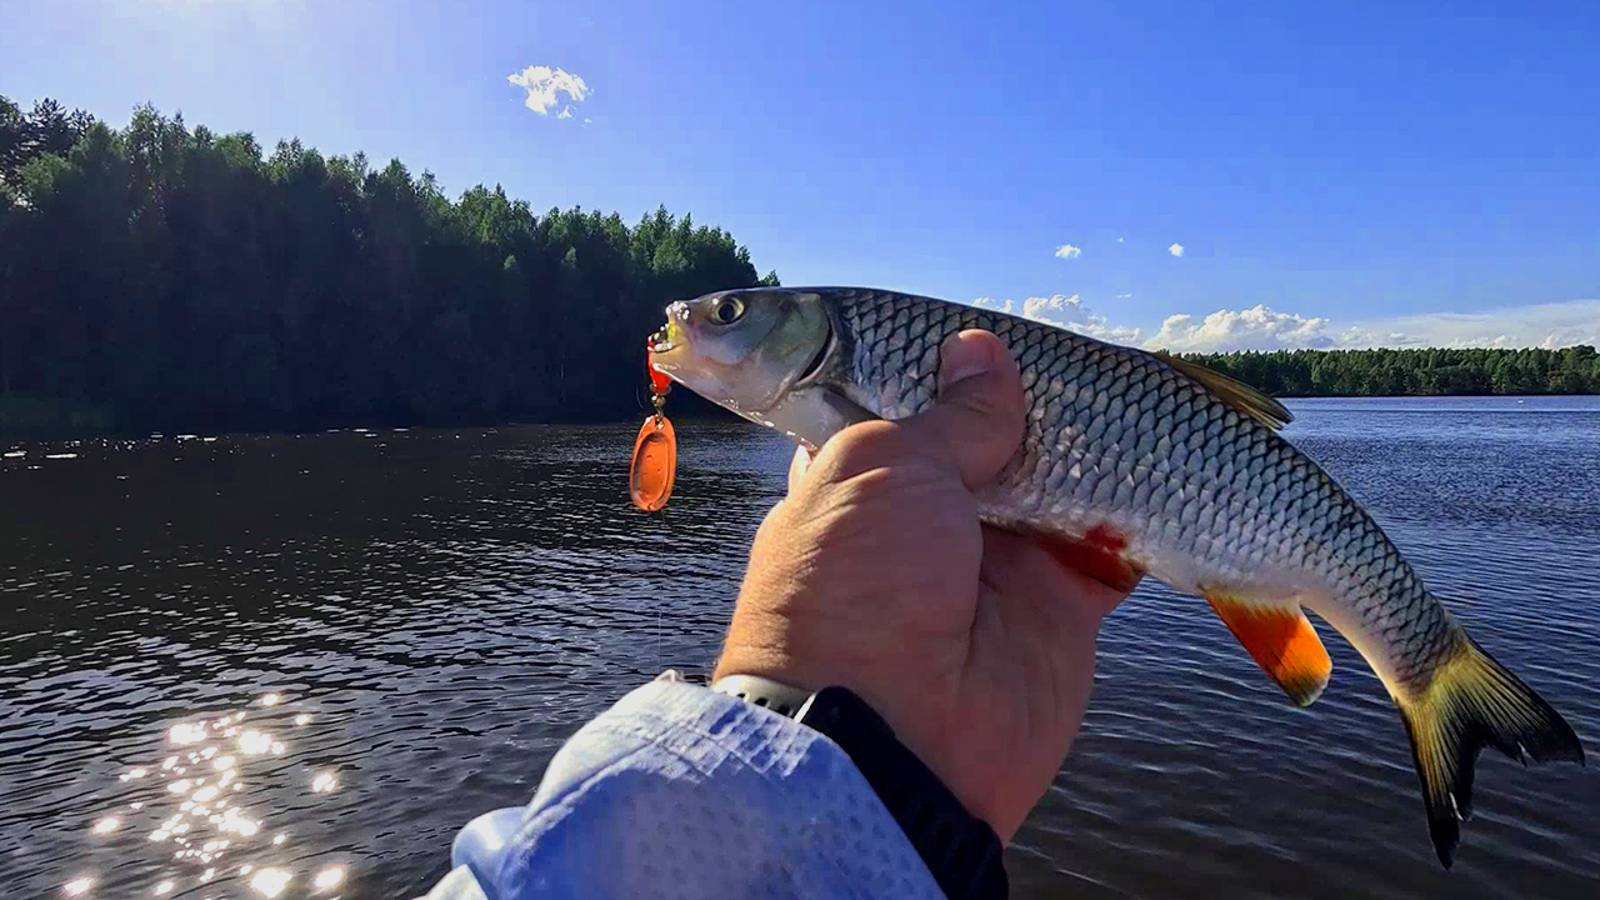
x=1137, y=463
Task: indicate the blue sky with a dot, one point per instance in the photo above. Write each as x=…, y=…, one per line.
x=1344, y=174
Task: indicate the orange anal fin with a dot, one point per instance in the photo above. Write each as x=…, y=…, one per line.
x=1098, y=555
x=1281, y=641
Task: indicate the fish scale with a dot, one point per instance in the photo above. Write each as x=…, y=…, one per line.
x=1241, y=466
x=1134, y=462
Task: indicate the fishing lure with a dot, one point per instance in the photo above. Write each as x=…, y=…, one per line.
x=655, y=450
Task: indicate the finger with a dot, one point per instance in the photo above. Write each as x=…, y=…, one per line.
x=798, y=466
x=978, y=415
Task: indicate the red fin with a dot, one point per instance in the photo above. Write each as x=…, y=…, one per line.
x=1282, y=642
x=1098, y=555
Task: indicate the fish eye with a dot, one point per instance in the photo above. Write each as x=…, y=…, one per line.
x=727, y=311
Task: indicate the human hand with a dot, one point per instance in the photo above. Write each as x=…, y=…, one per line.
x=874, y=573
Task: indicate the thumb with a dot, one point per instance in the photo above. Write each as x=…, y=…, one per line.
x=979, y=413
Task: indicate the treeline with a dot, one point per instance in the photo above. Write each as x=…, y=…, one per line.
x=163, y=277
x=1378, y=373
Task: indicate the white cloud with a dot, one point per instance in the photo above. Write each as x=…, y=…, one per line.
x=1068, y=251
x=1124, y=296
x=1256, y=328
x=545, y=85
x=1534, y=325
x=1052, y=307
x=1262, y=328
x=1119, y=240
x=1176, y=249
x=1067, y=311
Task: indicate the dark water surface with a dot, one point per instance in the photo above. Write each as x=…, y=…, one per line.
x=297, y=664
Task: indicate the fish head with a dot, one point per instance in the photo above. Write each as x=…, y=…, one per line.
x=764, y=353
x=746, y=348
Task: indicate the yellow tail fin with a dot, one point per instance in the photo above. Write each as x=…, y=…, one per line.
x=1471, y=701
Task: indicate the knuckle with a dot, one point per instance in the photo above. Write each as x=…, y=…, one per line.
x=983, y=404
x=861, y=447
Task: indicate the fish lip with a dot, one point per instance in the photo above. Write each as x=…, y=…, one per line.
x=663, y=360
x=659, y=346
x=659, y=342
x=668, y=337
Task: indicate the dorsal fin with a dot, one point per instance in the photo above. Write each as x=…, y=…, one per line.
x=1235, y=393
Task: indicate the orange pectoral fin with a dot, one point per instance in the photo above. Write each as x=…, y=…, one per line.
x=1282, y=642
x=1098, y=555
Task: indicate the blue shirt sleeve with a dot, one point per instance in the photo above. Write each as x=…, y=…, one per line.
x=678, y=791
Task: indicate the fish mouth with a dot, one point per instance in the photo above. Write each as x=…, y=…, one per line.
x=668, y=337
x=660, y=342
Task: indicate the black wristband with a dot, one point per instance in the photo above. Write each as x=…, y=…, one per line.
x=961, y=850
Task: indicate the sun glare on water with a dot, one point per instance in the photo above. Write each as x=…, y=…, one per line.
x=270, y=882
x=191, y=809
x=328, y=878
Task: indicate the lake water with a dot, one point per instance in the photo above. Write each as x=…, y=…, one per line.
x=242, y=665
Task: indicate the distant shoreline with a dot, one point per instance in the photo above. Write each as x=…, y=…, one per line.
x=10, y=438
x=1432, y=396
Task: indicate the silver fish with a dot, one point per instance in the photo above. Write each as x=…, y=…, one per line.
x=1135, y=462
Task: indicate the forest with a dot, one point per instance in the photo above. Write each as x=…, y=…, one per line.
x=158, y=277
x=1412, y=371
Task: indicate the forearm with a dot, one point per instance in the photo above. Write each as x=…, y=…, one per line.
x=679, y=791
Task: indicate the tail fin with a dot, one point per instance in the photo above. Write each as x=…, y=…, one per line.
x=1473, y=701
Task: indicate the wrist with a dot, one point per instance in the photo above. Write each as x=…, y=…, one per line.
x=907, y=703
x=962, y=851
x=772, y=646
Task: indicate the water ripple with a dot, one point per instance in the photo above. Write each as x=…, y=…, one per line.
x=303, y=662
